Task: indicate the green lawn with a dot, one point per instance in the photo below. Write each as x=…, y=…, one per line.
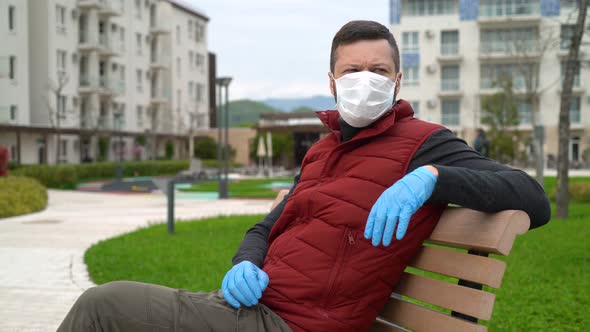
x=546, y=286
x=247, y=188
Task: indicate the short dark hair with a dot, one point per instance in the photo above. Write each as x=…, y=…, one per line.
x=363, y=30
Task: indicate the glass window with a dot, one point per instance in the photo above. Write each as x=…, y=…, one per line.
x=525, y=112
x=574, y=151
x=139, y=74
x=200, y=89
x=449, y=42
x=138, y=9
x=178, y=66
x=191, y=61
x=190, y=29
x=491, y=74
x=410, y=43
x=518, y=40
x=61, y=60
x=416, y=107
x=13, y=112
x=567, y=34
x=411, y=76
x=139, y=111
x=429, y=7
x=12, y=67
x=178, y=34
x=575, y=110
x=450, y=112
x=61, y=106
x=450, y=77
x=576, y=74
x=491, y=8
x=11, y=18
x=60, y=19
x=139, y=43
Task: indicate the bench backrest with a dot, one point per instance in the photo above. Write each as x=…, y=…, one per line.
x=445, y=253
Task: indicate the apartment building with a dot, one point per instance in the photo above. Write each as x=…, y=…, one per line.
x=454, y=51
x=101, y=79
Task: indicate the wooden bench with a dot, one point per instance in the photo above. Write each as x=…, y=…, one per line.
x=478, y=234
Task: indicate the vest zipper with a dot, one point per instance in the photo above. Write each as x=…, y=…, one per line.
x=345, y=245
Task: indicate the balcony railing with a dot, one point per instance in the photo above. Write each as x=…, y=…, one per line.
x=449, y=85
x=88, y=81
x=493, y=8
x=508, y=47
x=449, y=49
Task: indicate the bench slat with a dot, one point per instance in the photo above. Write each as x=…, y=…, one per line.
x=483, y=270
x=419, y=318
x=465, y=300
x=487, y=232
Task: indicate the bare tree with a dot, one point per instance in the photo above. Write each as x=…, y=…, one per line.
x=58, y=113
x=572, y=63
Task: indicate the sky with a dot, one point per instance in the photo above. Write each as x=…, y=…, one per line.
x=280, y=48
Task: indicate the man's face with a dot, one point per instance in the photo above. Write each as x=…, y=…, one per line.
x=365, y=55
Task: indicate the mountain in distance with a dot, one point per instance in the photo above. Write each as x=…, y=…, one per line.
x=316, y=103
x=245, y=112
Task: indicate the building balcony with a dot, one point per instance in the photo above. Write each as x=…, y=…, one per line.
x=86, y=43
x=88, y=84
x=89, y=4
x=498, y=13
x=159, y=61
x=107, y=47
x=110, y=86
x=158, y=28
x=507, y=51
x=160, y=96
x=104, y=7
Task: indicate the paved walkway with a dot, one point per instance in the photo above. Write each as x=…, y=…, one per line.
x=41, y=255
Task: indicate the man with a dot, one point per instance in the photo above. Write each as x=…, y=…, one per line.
x=325, y=258
x=481, y=143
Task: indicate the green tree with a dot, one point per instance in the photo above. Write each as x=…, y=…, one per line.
x=103, y=148
x=500, y=114
x=282, y=148
x=205, y=148
x=169, y=149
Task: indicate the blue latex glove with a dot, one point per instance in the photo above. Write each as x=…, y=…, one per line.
x=399, y=202
x=243, y=284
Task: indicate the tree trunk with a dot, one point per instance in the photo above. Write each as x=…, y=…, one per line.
x=562, y=198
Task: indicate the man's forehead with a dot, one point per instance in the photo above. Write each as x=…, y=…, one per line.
x=372, y=51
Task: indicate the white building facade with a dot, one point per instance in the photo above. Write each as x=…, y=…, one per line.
x=453, y=51
x=101, y=79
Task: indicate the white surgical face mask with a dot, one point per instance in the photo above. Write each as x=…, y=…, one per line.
x=363, y=97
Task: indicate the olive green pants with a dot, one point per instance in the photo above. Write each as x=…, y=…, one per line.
x=132, y=306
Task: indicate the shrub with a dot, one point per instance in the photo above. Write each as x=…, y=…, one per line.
x=205, y=148
x=169, y=150
x=21, y=195
x=579, y=192
x=67, y=176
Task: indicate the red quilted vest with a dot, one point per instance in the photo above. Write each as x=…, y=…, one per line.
x=324, y=275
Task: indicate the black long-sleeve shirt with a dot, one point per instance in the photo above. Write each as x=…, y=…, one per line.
x=465, y=178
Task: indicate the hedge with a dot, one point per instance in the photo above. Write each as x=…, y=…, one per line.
x=21, y=195
x=69, y=175
x=579, y=192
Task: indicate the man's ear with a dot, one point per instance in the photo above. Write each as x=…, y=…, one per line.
x=398, y=82
x=332, y=84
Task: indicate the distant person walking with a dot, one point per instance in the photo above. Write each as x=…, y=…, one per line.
x=481, y=143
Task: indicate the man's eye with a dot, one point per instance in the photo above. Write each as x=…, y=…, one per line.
x=351, y=70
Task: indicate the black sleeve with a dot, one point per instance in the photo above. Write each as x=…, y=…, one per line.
x=255, y=244
x=468, y=179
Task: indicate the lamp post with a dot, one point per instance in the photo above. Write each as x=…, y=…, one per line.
x=222, y=82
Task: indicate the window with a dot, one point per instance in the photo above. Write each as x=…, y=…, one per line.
x=139, y=111
x=575, y=110
x=178, y=66
x=491, y=74
x=191, y=61
x=11, y=18
x=122, y=39
x=200, y=90
x=491, y=8
x=63, y=149
x=139, y=80
x=12, y=68
x=139, y=43
x=178, y=97
x=61, y=106
x=449, y=42
x=199, y=32
x=410, y=42
x=411, y=77
x=576, y=74
x=138, y=9
x=518, y=40
x=190, y=89
x=449, y=78
x=178, y=34
x=450, y=112
x=416, y=108
x=574, y=151
x=61, y=61
x=60, y=19
x=429, y=7
x=567, y=34
x=13, y=113
x=190, y=29
x=200, y=61
x=122, y=74
x=525, y=111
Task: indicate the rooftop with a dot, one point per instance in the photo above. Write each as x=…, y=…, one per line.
x=189, y=5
